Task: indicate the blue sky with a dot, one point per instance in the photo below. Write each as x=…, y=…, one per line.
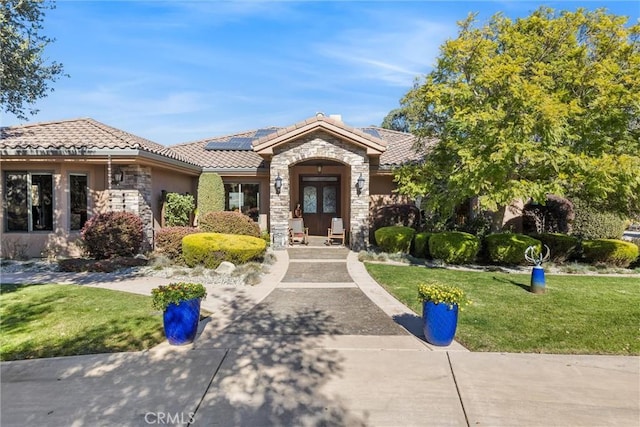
x=179, y=71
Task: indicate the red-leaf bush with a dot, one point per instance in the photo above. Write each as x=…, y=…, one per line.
x=112, y=234
x=228, y=222
x=169, y=241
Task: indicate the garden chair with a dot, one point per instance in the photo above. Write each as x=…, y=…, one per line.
x=336, y=231
x=298, y=233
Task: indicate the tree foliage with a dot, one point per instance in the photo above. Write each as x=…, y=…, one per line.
x=396, y=120
x=544, y=104
x=24, y=72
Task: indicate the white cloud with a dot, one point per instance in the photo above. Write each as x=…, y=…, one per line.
x=390, y=52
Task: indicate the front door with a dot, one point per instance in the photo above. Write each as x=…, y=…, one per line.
x=320, y=197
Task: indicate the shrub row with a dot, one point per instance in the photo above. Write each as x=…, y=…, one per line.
x=210, y=249
x=395, y=238
x=609, y=252
x=504, y=248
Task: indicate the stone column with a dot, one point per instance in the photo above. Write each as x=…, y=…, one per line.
x=133, y=194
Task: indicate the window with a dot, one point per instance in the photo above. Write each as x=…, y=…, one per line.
x=28, y=201
x=243, y=198
x=77, y=201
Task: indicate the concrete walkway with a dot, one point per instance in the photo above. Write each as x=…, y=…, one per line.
x=328, y=348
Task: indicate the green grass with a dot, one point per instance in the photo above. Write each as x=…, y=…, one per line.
x=63, y=320
x=576, y=315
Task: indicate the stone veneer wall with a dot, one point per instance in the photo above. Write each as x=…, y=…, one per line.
x=319, y=145
x=134, y=195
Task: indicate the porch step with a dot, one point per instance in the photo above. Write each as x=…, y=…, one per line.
x=317, y=285
x=317, y=253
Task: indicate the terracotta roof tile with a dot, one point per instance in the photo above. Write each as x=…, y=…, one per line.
x=81, y=133
x=91, y=134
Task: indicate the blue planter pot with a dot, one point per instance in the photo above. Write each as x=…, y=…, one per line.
x=538, y=283
x=440, y=322
x=181, y=321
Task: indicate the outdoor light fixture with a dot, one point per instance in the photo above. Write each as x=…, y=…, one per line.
x=118, y=176
x=360, y=183
x=278, y=183
x=319, y=168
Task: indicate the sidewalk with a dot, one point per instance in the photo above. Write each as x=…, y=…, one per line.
x=247, y=368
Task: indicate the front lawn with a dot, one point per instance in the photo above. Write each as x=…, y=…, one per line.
x=576, y=315
x=63, y=320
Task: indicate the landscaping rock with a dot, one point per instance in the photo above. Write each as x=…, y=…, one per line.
x=225, y=267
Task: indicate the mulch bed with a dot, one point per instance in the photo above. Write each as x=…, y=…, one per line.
x=77, y=265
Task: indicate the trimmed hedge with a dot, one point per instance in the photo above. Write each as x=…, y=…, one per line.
x=562, y=247
x=610, y=252
x=591, y=223
x=395, y=239
x=227, y=222
x=454, y=247
x=210, y=193
x=169, y=240
x=509, y=248
x=112, y=234
x=210, y=249
x=420, y=247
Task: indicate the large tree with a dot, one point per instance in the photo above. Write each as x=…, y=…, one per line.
x=545, y=104
x=25, y=74
x=396, y=120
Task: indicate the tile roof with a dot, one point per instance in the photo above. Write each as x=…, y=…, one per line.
x=83, y=133
x=399, y=147
x=220, y=158
x=86, y=133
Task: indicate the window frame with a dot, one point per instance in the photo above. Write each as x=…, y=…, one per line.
x=29, y=196
x=240, y=184
x=69, y=204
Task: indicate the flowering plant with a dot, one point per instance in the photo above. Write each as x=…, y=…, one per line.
x=176, y=292
x=441, y=293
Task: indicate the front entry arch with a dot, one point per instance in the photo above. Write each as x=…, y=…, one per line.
x=320, y=201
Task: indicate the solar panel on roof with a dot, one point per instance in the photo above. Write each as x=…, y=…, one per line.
x=237, y=143
x=372, y=132
x=264, y=132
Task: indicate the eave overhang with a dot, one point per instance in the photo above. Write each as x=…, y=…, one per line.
x=92, y=155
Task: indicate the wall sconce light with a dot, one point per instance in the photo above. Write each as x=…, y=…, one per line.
x=360, y=183
x=278, y=183
x=319, y=168
x=118, y=176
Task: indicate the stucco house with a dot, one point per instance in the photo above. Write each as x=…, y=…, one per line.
x=57, y=174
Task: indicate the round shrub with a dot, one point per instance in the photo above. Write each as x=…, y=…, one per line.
x=454, y=247
x=227, y=222
x=609, y=252
x=420, y=245
x=169, y=240
x=592, y=223
x=509, y=248
x=562, y=247
x=210, y=249
x=395, y=239
x=112, y=234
